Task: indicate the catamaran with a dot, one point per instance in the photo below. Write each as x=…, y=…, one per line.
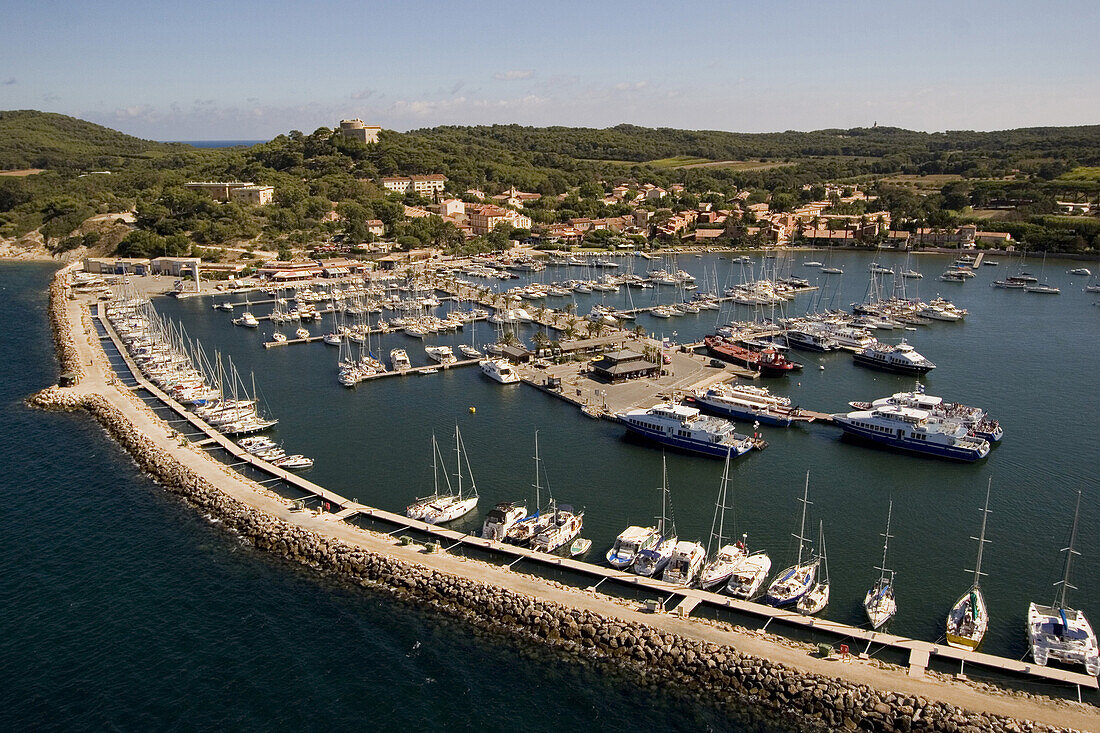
x=1059, y=632
x=879, y=603
x=968, y=619
x=793, y=583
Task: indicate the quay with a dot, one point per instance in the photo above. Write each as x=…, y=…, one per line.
x=683, y=603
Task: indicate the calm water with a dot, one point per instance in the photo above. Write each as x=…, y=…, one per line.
x=122, y=609
x=1029, y=359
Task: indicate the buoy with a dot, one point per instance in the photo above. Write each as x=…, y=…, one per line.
x=821, y=367
x=473, y=410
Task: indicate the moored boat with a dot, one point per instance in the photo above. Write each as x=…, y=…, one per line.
x=879, y=603
x=968, y=619
x=903, y=358
x=685, y=428
x=500, y=370
x=746, y=402
x=792, y=583
x=910, y=429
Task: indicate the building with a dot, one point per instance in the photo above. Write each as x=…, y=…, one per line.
x=617, y=366
x=356, y=130
x=483, y=218
x=288, y=271
x=376, y=227
x=515, y=197
x=175, y=266
x=421, y=185
x=117, y=265
x=243, y=192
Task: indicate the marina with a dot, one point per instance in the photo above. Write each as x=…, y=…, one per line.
x=701, y=367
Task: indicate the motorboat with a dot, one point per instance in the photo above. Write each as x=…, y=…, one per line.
x=809, y=340
x=879, y=603
x=247, y=320
x=470, y=352
x=500, y=370
x=501, y=519
x=564, y=527
x=685, y=563
x=442, y=354
x=629, y=543
x=749, y=575
x=400, y=360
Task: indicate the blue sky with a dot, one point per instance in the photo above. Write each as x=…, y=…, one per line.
x=250, y=70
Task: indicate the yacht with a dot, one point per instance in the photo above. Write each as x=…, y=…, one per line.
x=750, y=573
x=247, y=320
x=811, y=263
x=502, y=518
x=686, y=562
x=629, y=543
x=832, y=270
x=470, y=352
x=400, y=360
x=791, y=584
x=1043, y=288
x=564, y=527
x=847, y=337
x=500, y=371
x=810, y=340
x=974, y=418
x=683, y=427
x=879, y=603
x=442, y=507
x=914, y=430
x=1059, y=632
x=717, y=570
x=278, y=337
x=817, y=597
x=442, y=354
x=1080, y=271
x=968, y=619
x=902, y=358
x=912, y=275
x=746, y=402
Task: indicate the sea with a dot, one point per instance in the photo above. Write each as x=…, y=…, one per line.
x=123, y=608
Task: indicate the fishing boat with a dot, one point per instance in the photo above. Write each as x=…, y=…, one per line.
x=719, y=567
x=629, y=543
x=968, y=619
x=686, y=428
x=565, y=525
x=651, y=561
x=442, y=507
x=791, y=584
x=1059, y=632
x=400, y=360
x=746, y=402
x=914, y=430
x=500, y=370
x=903, y=358
x=502, y=518
x=879, y=603
x=816, y=598
x=751, y=572
x=768, y=361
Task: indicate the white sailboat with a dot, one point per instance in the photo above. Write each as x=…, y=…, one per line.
x=719, y=569
x=815, y=599
x=791, y=584
x=446, y=507
x=879, y=602
x=968, y=619
x=651, y=562
x=523, y=531
x=1059, y=632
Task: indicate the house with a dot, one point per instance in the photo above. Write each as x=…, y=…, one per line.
x=515, y=197
x=483, y=218
x=656, y=193
x=242, y=192
x=998, y=239
x=451, y=207
x=618, y=366
x=376, y=227
x=425, y=185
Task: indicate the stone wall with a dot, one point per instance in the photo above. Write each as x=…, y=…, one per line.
x=64, y=340
x=805, y=701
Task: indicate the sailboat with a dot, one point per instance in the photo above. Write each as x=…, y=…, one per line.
x=793, y=583
x=652, y=561
x=719, y=569
x=1059, y=632
x=968, y=619
x=523, y=531
x=1043, y=287
x=446, y=507
x=879, y=602
x=815, y=599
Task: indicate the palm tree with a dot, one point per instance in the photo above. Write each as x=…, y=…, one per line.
x=541, y=340
x=569, y=332
x=639, y=331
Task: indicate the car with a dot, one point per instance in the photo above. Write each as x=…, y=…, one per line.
x=717, y=363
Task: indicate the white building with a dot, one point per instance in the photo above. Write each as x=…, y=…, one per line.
x=422, y=185
x=356, y=130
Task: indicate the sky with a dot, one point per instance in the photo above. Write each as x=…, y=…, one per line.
x=244, y=70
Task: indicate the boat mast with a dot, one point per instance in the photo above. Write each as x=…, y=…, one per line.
x=720, y=509
x=802, y=526
x=1070, y=552
x=981, y=538
x=538, y=506
x=458, y=460
x=821, y=555
x=885, y=543
x=664, y=494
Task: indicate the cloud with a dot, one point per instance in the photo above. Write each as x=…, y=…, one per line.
x=363, y=94
x=513, y=75
x=8, y=82
x=629, y=86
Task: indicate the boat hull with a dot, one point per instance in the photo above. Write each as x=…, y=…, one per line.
x=744, y=413
x=913, y=369
x=717, y=450
x=914, y=446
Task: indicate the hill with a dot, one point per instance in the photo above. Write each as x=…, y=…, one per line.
x=32, y=139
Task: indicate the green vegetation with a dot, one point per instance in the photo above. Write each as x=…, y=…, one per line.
x=325, y=189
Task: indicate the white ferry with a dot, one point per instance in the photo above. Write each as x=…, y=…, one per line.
x=911, y=429
x=683, y=427
x=975, y=418
x=810, y=340
x=746, y=402
x=500, y=370
x=902, y=358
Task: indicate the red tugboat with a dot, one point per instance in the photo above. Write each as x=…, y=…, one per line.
x=769, y=362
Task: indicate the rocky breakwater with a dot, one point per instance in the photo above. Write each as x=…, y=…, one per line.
x=64, y=338
x=803, y=700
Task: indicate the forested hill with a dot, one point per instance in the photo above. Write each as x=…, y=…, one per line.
x=32, y=139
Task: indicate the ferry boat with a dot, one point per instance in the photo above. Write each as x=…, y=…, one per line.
x=974, y=418
x=769, y=361
x=500, y=370
x=746, y=402
x=684, y=427
x=902, y=358
x=1059, y=632
x=911, y=429
x=629, y=543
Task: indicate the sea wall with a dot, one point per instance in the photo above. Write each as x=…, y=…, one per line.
x=64, y=339
x=805, y=701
